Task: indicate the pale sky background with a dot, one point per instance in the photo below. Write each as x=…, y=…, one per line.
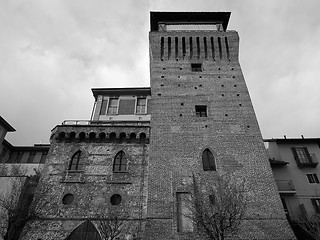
x=53, y=52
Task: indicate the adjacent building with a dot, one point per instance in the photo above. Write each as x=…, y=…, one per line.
x=18, y=166
x=294, y=163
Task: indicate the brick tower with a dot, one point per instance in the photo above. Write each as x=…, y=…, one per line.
x=200, y=102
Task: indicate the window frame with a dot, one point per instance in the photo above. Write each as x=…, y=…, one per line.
x=301, y=154
x=312, y=178
x=196, y=67
x=123, y=161
x=112, y=107
x=199, y=111
x=77, y=161
x=209, y=163
x=137, y=106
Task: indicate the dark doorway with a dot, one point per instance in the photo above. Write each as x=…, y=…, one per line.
x=85, y=231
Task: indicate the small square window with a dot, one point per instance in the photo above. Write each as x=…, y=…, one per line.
x=312, y=178
x=201, y=111
x=196, y=67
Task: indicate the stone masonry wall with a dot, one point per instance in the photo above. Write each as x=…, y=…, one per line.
x=93, y=187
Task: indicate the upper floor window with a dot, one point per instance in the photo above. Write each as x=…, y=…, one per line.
x=120, y=162
x=208, y=161
x=196, y=67
x=141, y=105
x=312, y=178
x=303, y=157
x=76, y=162
x=113, y=106
x=201, y=111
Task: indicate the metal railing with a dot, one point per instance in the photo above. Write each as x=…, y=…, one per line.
x=76, y=122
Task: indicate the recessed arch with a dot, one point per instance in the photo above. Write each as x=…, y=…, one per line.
x=82, y=136
x=112, y=136
x=102, y=136
x=61, y=136
x=92, y=136
x=133, y=136
x=142, y=137
x=122, y=137
x=85, y=231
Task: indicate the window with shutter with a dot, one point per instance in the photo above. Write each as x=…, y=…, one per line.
x=302, y=157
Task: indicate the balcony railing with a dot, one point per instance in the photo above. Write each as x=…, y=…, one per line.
x=286, y=187
x=310, y=162
x=76, y=122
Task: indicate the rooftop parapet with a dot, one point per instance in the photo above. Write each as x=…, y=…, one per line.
x=164, y=21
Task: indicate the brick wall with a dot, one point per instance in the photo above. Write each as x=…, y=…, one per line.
x=230, y=131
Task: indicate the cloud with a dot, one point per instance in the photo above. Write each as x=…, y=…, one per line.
x=54, y=52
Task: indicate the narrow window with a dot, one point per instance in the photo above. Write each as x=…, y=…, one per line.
x=104, y=106
x=220, y=48
x=227, y=47
x=198, y=47
x=162, y=47
x=113, y=106
x=176, y=47
x=212, y=49
x=76, y=162
x=141, y=106
x=208, y=161
x=31, y=157
x=201, y=111
x=120, y=162
x=184, y=212
x=196, y=67
x=169, y=47
x=183, y=47
x=312, y=178
x=205, y=48
x=191, y=49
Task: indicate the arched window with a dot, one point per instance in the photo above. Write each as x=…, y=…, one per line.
x=208, y=161
x=120, y=162
x=76, y=162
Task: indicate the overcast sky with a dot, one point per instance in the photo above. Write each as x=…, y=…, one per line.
x=53, y=52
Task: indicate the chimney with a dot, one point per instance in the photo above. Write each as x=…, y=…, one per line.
x=302, y=136
x=285, y=137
